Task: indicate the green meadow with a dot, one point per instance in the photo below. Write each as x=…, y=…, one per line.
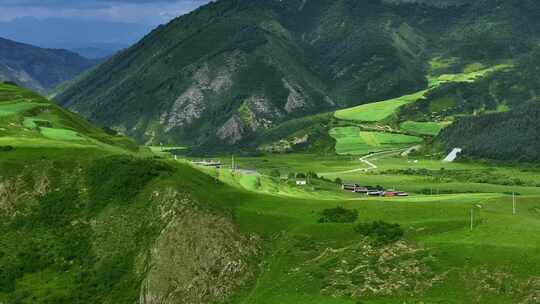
x=377, y=111
x=29, y=120
x=353, y=141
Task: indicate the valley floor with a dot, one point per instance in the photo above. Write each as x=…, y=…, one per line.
x=440, y=260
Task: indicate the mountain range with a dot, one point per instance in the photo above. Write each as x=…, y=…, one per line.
x=233, y=68
x=38, y=68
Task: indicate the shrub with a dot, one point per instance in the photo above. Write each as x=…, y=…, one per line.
x=6, y=148
x=338, y=215
x=275, y=173
x=381, y=232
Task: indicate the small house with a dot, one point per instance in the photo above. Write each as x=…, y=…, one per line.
x=375, y=193
x=350, y=187
x=301, y=182
x=390, y=193
x=362, y=190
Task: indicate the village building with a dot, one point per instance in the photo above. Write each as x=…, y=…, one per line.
x=301, y=182
x=350, y=187
x=208, y=163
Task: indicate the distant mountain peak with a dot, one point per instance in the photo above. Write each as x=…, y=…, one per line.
x=38, y=68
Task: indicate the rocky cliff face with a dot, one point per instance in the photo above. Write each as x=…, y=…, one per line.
x=199, y=257
x=234, y=67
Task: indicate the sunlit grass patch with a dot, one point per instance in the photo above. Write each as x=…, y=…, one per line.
x=424, y=128
x=61, y=134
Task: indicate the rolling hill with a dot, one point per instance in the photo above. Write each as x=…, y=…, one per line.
x=90, y=217
x=37, y=68
x=235, y=67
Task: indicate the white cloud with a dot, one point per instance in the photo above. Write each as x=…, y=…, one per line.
x=138, y=11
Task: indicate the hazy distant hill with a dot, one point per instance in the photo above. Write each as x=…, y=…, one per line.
x=235, y=67
x=71, y=34
x=37, y=68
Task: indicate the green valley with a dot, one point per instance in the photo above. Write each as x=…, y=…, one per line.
x=276, y=152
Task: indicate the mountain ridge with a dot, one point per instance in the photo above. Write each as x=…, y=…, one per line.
x=38, y=68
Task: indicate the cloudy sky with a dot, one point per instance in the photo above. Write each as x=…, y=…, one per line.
x=134, y=11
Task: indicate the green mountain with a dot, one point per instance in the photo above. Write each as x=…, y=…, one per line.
x=37, y=68
x=235, y=67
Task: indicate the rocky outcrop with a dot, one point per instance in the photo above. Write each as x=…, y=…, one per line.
x=232, y=130
x=199, y=257
x=296, y=100
x=185, y=110
x=190, y=106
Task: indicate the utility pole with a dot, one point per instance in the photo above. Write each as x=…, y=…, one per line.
x=514, y=203
x=472, y=219
x=232, y=165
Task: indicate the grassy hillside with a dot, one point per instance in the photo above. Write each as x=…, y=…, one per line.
x=29, y=120
x=86, y=217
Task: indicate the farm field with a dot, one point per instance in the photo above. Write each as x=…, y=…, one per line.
x=353, y=141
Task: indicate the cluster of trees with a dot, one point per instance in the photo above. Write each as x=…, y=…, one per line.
x=381, y=233
x=338, y=215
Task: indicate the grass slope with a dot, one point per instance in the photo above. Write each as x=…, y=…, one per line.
x=27, y=119
x=379, y=111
